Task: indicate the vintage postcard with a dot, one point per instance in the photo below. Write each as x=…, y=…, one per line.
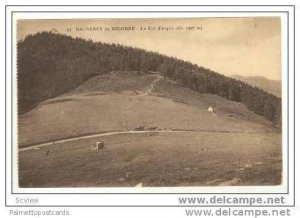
x=150, y=111
x=149, y=102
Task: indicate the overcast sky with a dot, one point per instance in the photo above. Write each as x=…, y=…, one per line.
x=243, y=46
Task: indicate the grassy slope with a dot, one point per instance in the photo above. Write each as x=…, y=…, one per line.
x=114, y=102
x=155, y=159
x=170, y=89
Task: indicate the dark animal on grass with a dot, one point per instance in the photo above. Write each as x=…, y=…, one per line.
x=47, y=153
x=139, y=128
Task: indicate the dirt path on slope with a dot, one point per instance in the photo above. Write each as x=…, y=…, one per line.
x=151, y=87
x=37, y=146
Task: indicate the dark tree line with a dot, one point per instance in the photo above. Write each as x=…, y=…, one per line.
x=51, y=64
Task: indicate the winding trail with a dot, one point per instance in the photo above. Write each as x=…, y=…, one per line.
x=55, y=142
x=150, y=89
x=94, y=135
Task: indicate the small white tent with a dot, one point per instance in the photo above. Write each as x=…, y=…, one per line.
x=210, y=109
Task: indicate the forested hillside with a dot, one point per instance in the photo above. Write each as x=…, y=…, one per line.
x=51, y=64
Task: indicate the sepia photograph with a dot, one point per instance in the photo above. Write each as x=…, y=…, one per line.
x=149, y=102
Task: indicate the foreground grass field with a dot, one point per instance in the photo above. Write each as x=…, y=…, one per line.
x=186, y=145
x=160, y=159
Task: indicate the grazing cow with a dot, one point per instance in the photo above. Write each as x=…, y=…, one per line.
x=98, y=145
x=139, y=128
x=153, y=128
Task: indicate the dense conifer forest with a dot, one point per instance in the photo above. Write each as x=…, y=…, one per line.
x=50, y=64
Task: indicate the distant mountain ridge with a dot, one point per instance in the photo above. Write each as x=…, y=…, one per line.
x=271, y=86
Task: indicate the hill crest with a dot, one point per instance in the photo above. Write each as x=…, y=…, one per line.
x=51, y=64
